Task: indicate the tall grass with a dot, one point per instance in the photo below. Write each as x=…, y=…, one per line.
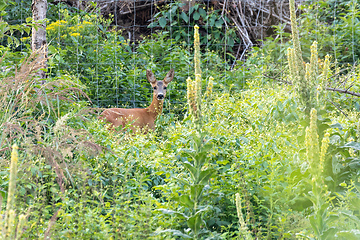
x=36, y=114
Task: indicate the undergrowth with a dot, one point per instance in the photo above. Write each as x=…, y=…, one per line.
x=266, y=162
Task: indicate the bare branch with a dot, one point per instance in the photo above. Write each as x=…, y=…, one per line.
x=343, y=91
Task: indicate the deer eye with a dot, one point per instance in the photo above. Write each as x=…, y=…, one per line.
x=164, y=87
x=155, y=88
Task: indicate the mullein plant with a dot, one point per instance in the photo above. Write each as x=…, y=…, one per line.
x=8, y=226
x=308, y=78
x=194, y=200
x=319, y=195
x=194, y=89
x=244, y=232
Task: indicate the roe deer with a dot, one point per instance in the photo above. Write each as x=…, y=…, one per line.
x=141, y=119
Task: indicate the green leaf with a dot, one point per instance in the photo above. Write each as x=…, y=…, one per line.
x=196, y=16
x=355, y=164
x=196, y=191
x=314, y=225
x=184, y=17
x=353, y=145
x=351, y=216
x=162, y=22
x=202, y=12
x=329, y=233
x=205, y=176
x=194, y=222
x=355, y=203
x=337, y=125
x=193, y=171
x=171, y=212
x=3, y=5
x=353, y=234
x=174, y=8
x=219, y=23
x=174, y=232
x=182, y=181
x=303, y=235
x=185, y=201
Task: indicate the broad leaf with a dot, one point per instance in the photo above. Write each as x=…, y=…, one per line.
x=174, y=232
x=351, y=216
x=184, y=17
x=355, y=163
x=195, y=222
x=185, y=201
x=171, y=212
x=353, y=145
x=205, y=176
x=196, y=191
x=202, y=12
x=162, y=22
x=193, y=171
x=337, y=125
x=314, y=225
x=353, y=234
x=196, y=16
x=219, y=23
x=329, y=233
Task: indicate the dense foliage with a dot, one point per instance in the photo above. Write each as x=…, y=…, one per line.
x=258, y=164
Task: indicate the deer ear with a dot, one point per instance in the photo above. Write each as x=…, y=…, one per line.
x=169, y=76
x=150, y=76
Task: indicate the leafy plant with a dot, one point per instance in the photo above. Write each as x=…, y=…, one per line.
x=180, y=23
x=193, y=199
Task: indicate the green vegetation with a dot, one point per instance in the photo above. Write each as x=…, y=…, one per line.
x=260, y=160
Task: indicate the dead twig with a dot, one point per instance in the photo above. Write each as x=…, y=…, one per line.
x=345, y=91
x=338, y=108
x=51, y=223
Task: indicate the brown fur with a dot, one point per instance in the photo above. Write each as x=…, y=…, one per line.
x=140, y=119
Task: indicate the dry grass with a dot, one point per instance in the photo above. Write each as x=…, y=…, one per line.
x=29, y=107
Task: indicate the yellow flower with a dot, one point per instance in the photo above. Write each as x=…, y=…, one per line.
x=209, y=87
x=324, y=146
x=197, y=50
x=75, y=34
x=24, y=39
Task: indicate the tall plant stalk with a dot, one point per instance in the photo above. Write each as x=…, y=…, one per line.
x=8, y=226
x=194, y=86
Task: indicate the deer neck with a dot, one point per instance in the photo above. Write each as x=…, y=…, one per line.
x=155, y=107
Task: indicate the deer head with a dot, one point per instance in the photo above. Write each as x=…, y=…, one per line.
x=159, y=86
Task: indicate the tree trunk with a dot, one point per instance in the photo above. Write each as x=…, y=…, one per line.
x=39, y=9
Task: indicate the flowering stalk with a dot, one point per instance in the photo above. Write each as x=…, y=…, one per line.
x=324, y=146
x=295, y=34
x=191, y=96
x=301, y=82
x=8, y=226
x=9, y=214
x=209, y=87
x=318, y=194
x=314, y=62
x=312, y=139
x=194, y=87
x=244, y=232
x=197, y=50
